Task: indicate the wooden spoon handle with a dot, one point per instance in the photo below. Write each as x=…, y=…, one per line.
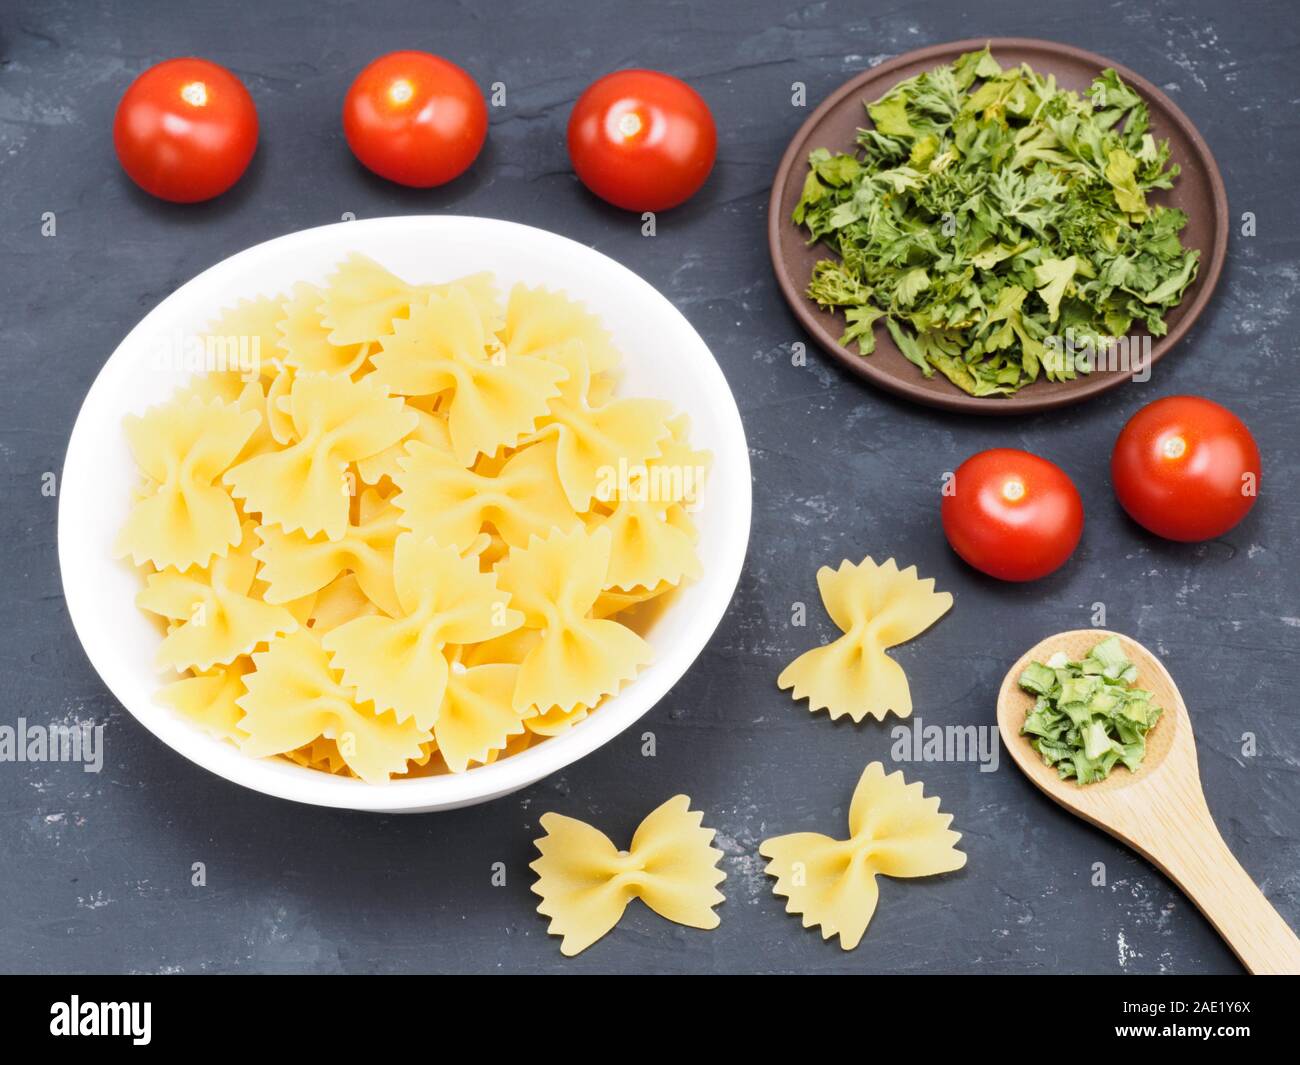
x=1196, y=858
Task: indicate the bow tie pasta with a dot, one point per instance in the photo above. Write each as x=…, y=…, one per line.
x=894, y=830
x=183, y=519
x=877, y=606
x=409, y=530
x=586, y=882
x=491, y=399
x=335, y=422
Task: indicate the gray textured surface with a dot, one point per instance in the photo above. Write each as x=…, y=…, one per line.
x=95, y=870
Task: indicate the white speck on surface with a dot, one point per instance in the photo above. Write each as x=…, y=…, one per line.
x=1125, y=951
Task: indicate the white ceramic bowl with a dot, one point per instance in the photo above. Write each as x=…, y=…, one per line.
x=663, y=357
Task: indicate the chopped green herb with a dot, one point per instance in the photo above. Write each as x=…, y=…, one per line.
x=1086, y=718
x=998, y=223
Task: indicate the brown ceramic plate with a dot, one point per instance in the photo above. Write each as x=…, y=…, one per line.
x=834, y=125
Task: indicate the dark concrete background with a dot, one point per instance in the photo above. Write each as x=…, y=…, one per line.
x=95, y=870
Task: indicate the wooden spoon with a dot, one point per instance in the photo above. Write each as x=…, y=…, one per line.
x=1160, y=810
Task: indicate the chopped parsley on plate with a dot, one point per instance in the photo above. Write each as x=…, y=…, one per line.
x=996, y=223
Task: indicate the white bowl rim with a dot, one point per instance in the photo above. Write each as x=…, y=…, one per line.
x=280, y=778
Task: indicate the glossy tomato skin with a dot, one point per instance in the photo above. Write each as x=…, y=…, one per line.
x=415, y=118
x=185, y=130
x=1186, y=468
x=642, y=140
x=1012, y=515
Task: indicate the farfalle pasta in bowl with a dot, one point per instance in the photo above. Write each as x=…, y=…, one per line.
x=405, y=514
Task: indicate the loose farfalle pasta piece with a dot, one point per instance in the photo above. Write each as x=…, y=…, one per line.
x=579, y=659
x=877, y=607
x=477, y=716
x=210, y=699
x=539, y=322
x=245, y=393
x=245, y=338
x=488, y=548
x=597, y=442
x=616, y=600
x=294, y=697
x=339, y=602
x=183, y=447
x=301, y=608
x=586, y=883
x=511, y=650
x=398, y=662
x=442, y=347
x=482, y=289
x=321, y=754
x=511, y=647
x=653, y=545
x=893, y=831
x=653, y=538
x=555, y=720
x=295, y=565
x=306, y=486
x=226, y=385
x=279, y=420
x=362, y=299
x=430, y=430
x=441, y=499
x=304, y=338
x=216, y=619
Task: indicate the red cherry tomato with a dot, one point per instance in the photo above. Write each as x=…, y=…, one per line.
x=415, y=118
x=1012, y=515
x=185, y=130
x=1186, y=468
x=642, y=140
